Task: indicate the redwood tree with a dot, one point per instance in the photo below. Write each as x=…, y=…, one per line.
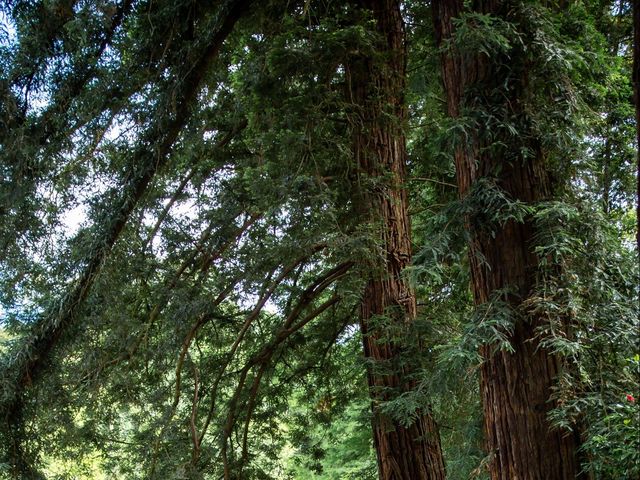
x=488, y=90
x=375, y=88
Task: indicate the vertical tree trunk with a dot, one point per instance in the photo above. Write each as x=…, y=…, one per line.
x=375, y=87
x=515, y=387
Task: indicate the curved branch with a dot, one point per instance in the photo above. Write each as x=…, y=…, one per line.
x=245, y=327
x=263, y=357
x=26, y=367
x=76, y=83
x=47, y=32
x=286, y=333
x=210, y=257
x=183, y=183
x=176, y=396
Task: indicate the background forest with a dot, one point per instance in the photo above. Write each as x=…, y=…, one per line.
x=317, y=239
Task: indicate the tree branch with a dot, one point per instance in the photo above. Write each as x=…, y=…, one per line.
x=30, y=361
x=174, y=198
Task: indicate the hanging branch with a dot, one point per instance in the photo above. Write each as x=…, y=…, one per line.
x=301, y=371
x=263, y=357
x=202, y=320
x=48, y=32
x=43, y=129
x=29, y=362
x=245, y=327
x=282, y=336
x=65, y=95
x=171, y=284
x=183, y=183
x=194, y=329
x=184, y=351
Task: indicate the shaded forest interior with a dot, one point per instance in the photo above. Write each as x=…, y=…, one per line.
x=308, y=239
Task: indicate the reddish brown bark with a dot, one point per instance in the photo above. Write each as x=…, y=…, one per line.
x=515, y=387
x=376, y=92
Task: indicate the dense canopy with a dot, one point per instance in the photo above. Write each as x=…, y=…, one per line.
x=319, y=239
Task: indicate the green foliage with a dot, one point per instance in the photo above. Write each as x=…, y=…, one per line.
x=344, y=452
x=483, y=33
x=223, y=322
x=592, y=306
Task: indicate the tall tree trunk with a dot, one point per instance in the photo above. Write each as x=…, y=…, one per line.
x=375, y=87
x=515, y=387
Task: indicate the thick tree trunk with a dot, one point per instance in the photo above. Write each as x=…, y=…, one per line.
x=515, y=387
x=376, y=89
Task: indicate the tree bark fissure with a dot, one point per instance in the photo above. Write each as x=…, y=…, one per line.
x=376, y=90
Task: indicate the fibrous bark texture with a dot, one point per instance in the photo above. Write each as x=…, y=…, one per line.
x=515, y=387
x=375, y=87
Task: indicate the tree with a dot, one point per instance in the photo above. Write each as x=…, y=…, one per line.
x=490, y=85
x=406, y=450
x=166, y=128
x=272, y=238
x=162, y=135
